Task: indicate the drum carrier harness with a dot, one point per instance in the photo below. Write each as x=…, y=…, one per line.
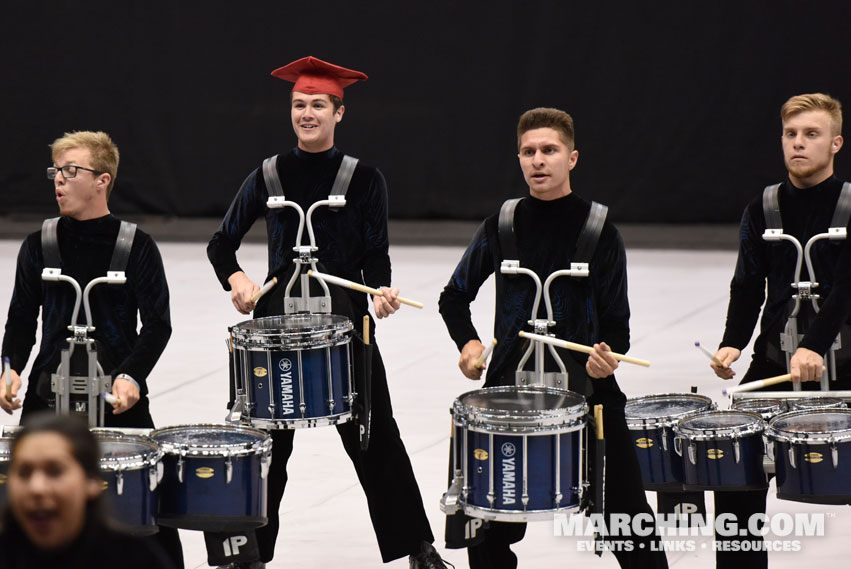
x=586, y=244
x=790, y=338
x=94, y=383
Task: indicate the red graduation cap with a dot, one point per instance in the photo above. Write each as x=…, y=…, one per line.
x=314, y=76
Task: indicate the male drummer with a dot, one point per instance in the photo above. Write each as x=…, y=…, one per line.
x=353, y=244
x=592, y=310
x=85, y=166
x=808, y=197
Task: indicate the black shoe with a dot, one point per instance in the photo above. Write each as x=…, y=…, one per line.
x=428, y=558
x=247, y=565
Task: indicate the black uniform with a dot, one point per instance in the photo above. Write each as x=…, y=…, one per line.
x=352, y=244
x=586, y=310
x=85, y=249
x=770, y=266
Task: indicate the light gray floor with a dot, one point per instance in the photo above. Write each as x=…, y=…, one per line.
x=677, y=297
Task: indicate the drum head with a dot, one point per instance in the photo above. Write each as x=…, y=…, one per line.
x=119, y=451
x=666, y=409
x=214, y=440
x=807, y=403
x=521, y=407
x=710, y=424
x=292, y=331
x=816, y=425
x=767, y=408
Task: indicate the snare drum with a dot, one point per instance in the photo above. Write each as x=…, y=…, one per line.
x=765, y=408
x=295, y=370
x=650, y=420
x=520, y=452
x=812, y=455
x=214, y=477
x=131, y=468
x=807, y=403
x=721, y=450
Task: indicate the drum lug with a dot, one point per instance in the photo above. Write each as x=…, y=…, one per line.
x=228, y=469
x=678, y=445
x=737, y=450
x=180, y=465
x=265, y=462
x=792, y=456
x=769, y=450
x=152, y=477
x=119, y=481
x=665, y=439
x=834, y=454
x=692, y=453
x=449, y=501
x=160, y=471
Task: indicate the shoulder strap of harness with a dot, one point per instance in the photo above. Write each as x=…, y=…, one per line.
x=843, y=208
x=50, y=244
x=590, y=235
x=123, y=244
x=270, y=176
x=344, y=176
x=507, y=238
x=771, y=207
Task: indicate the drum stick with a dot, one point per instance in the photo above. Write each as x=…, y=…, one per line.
x=359, y=287
x=366, y=330
x=482, y=358
x=709, y=355
x=7, y=371
x=750, y=386
x=581, y=348
x=266, y=288
x=111, y=399
x=598, y=421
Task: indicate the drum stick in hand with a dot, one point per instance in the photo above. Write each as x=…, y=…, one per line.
x=266, y=288
x=709, y=355
x=7, y=371
x=359, y=287
x=598, y=421
x=581, y=348
x=750, y=386
x=482, y=358
x=366, y=330
x=111, y=399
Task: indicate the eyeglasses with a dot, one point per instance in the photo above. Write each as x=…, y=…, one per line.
x=69, y=171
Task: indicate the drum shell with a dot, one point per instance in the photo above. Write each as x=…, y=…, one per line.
x=205, y=500
x=135, y=507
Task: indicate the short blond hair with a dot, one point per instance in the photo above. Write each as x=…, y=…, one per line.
x=814, y=102
x=545, y=117
x=103, y=150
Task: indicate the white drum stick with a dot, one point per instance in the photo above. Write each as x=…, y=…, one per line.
x=359, y=287
x=111, y=399
x=482, y=358
x=7, y=371
x=266, y=288
x=581, y=348
x=709, y=355
x=750, y=386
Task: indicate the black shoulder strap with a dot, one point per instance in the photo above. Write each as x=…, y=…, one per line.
x=50, y=244
x=507, y=238
x=270, y=176
x=344, y=176
x=843, y=207
x=590, y=235
x=123, y=244
x=771, y=207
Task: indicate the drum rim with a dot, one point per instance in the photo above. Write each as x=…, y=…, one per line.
x=755, y=427
x=775, y=432
x=263, y=443
x=641, y=423
x=835, y=403
x=129, y=462
x=330, y=334
x=520, y=421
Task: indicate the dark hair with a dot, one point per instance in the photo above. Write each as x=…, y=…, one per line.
x=544, y=117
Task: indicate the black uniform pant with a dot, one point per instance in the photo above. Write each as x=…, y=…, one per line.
x=384, y=471
x=624, y=495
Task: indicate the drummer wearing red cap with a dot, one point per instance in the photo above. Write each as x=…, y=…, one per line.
x=353, y=244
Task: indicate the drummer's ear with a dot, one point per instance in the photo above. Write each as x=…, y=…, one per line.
x=94, y=487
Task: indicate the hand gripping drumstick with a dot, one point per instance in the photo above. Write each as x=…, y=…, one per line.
x=709, y=354
x=111, y=399
x=581, y=348
x=359, y=287
x=266, y=288
x=482, y=358
x=750, y=386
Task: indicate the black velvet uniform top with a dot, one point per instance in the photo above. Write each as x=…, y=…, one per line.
x=86, y=249
x=352, y=240
x=586, y=310
x=804, y=213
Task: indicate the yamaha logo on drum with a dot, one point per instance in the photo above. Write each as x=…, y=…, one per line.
x=644, y=442
x=508, y=449
x=285, y=365
x=204, y=472
x=714, y=453
x=286, y=386
x=509, y=473
x=813, y=457
x=260, y=371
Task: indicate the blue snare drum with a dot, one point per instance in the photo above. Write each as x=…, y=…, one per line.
x=295, y=370
x=812, y=455
x=721, y=450
x=131, y=468
x=214, y=477
x=521, y=451
x=650, y=420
